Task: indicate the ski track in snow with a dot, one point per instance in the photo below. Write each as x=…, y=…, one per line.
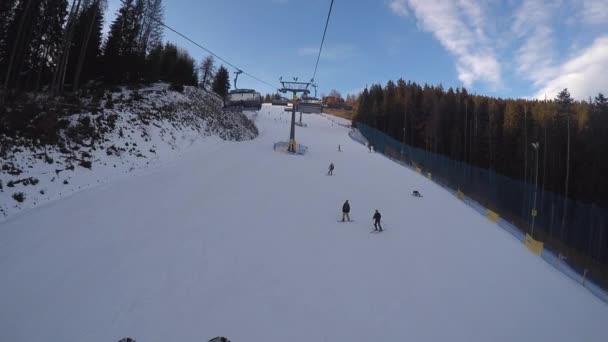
x=234, y=239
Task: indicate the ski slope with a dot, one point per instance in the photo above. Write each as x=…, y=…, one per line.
x=237, y=240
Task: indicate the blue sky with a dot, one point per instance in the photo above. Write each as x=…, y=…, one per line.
x=510, y=48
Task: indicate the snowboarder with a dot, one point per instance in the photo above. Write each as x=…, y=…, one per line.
x=345, y=211
x=376, y=217
x=331, y=169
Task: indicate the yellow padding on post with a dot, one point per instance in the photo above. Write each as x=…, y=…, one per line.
x=460, y=195
x=492, y=216
x=419, y=170
x=534, y=246
x=292, y=145
x=428, y=175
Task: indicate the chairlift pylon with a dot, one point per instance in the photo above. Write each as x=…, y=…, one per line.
x=236, y=78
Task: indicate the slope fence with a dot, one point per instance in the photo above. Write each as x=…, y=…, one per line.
x=510, y=204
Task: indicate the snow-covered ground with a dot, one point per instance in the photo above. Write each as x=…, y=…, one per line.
x=142, y=129
x=234, y=239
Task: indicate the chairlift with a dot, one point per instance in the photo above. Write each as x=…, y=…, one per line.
x=243, y=99
x=278, y=100
x=309, y=105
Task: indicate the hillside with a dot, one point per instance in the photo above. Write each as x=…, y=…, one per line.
x=124, y=131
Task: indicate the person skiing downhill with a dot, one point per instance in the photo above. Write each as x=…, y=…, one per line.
x=331, y=169
x=377, y=226
x=339, y=148
x=345, y=211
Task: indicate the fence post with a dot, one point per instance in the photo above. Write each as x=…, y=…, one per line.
x=584, y=276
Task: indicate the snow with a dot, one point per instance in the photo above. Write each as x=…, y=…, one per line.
x=148, y=132
x=234, y=239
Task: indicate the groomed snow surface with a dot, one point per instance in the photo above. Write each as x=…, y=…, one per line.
x=234, y=239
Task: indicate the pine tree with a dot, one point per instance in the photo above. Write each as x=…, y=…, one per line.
x=153, y=64
x=17, y=41
x=389, y=107
x=206, y=71
x=6, y=16
x=184, y=71
x=59, y=74
x=221, y=82
x=85, y=54
x=33, y=36
x=122, y=58
x=598, y=123
x=364, y=108
x=564, y=112
x=151, y=25
x=170, y=64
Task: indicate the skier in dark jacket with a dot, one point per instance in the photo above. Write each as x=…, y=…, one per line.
x=345, y=211
x=331, y=169
x=377, y=226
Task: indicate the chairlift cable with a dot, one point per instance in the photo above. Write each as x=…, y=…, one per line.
x=323, y=39
x=214, y=54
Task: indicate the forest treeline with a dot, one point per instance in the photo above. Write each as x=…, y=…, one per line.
x=57, y=46
x=497, y=134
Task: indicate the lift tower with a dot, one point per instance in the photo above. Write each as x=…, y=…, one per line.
x=294, y=87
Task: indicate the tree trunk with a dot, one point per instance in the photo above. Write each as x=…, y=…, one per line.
x=59, y=75
x=40, y=67
x=67, y=51
x=18, y=45
x=567, y=181
x=490, y=141
x=83, y=48
x=525, y=192
x=466, y=118
x=59, y=55
x=589, y=251
x=601, y=242
x=542, y=194
x=204, y=80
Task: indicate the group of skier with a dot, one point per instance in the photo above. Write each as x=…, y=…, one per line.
x=346, y=206
x=377, y=216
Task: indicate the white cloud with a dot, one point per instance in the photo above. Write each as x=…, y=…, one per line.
x=535, y=56
x=584, y=75
x=459, y=27
x=330, y=52
x=398, y=7
x=521, y=37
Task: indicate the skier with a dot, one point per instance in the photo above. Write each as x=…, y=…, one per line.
x=377, y=226
x=345, y=211
x=339, y=149
x=369, y=146
x=331, y=169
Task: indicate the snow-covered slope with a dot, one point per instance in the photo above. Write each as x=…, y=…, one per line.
x=238, y=240
x=140, y=128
